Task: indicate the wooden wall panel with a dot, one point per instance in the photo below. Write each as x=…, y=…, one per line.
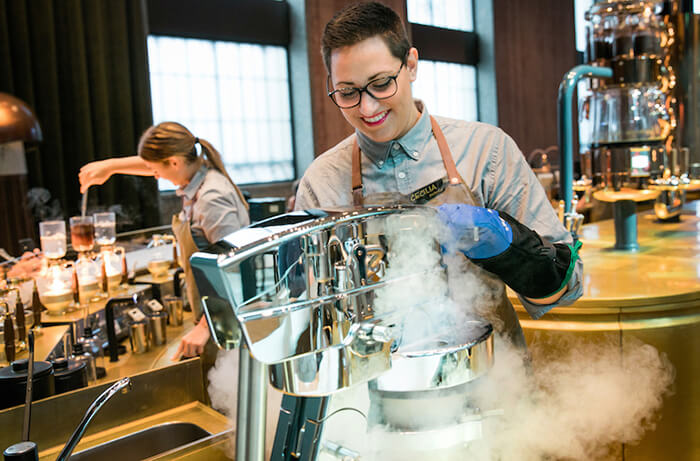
x=329, y=125
x=534, y=48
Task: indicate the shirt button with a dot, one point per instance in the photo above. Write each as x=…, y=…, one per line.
x=396, y=146
x=380, y=163
x=402, y=175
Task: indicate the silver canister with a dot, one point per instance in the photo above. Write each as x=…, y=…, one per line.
x=158, y=322
x=138, y=336
x=174, y=307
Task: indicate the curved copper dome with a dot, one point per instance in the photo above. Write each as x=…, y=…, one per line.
x=17, y=121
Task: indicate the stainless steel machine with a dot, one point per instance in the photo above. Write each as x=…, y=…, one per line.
x=308, y=298
x=633, y=111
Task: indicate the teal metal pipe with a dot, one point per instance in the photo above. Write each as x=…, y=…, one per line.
x=565, y=125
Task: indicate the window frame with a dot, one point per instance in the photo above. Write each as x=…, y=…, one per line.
x=259, y=22
x=264, y=22
x=447, y=45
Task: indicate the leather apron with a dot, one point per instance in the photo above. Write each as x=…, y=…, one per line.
x=502, y=314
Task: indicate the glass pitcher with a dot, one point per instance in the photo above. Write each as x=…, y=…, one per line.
x=113, y=263
x=160, y=263
x=88, y=273
x=55, y=285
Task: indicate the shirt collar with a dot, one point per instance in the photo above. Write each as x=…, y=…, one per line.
x=190, y=190
x=412, y=144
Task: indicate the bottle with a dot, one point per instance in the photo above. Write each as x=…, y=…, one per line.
x=81, y=355
x=93, y=344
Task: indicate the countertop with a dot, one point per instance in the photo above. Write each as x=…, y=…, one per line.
x=664, y=271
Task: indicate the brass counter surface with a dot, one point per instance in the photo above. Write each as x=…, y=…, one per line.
x=650, y=296
x=45, y=341
x=157, y=357
x=664, y=272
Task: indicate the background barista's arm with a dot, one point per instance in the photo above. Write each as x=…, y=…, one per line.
x=96, y=173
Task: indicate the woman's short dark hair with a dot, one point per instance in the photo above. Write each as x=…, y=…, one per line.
x=361, y=21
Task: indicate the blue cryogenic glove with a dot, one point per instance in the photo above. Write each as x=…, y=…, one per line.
x=495, y=241
x=479, y=233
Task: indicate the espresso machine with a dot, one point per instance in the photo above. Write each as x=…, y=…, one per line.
x=325, y=305
x=629, y=114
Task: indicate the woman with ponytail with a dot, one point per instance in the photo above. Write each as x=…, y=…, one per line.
x=213, y=206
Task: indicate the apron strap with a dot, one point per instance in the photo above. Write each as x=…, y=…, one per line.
x=357, y=187
x=445, y=153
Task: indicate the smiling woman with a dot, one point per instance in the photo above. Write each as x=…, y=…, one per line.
x=385, y=114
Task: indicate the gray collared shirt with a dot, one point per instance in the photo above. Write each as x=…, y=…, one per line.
x=212, y=206
x=488, y=160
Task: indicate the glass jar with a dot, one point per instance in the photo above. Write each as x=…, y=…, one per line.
x=113, y=262
x=88, y=274
x=82, y=233
x=628, y=114
x=623, y=37
x=53, y=238
x=55, y=286
x=105, y=228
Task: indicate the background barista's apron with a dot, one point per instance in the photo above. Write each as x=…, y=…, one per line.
x=187, y=247
x=502, y=314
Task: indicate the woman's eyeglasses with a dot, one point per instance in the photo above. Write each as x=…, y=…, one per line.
x=379, y=88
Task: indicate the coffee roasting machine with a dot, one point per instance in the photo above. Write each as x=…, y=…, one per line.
x=297, y=293
x=636, y=112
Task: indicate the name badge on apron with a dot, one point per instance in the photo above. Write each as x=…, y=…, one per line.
x=427, y=193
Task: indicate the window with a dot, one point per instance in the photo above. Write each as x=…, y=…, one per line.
x=232, y=94
x=580, y=8
x=442, y=32
x=450, y=14
x=221, y=69
x=448, y=89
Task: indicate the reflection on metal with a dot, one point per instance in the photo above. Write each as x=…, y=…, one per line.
x=302, y=288
x=671, y=198
x=310, y=314
x=441, y=364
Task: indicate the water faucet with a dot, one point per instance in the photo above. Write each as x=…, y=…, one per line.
x=124, y=383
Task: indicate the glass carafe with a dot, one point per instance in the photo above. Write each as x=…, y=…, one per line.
x=82, y=233
x=53, y=238
x=113, y=261
x=55, y=286
x=105, y=228
x=162, y=260
x=88, y=274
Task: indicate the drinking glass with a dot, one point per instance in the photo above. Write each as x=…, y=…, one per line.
x=82, y=233
x=105, y=228
x=53, y=238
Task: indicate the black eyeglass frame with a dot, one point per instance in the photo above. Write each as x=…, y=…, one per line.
x=365, y=88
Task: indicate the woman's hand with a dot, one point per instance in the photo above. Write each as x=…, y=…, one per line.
x=28, y=266
x=193, y=343
x=95, y=174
